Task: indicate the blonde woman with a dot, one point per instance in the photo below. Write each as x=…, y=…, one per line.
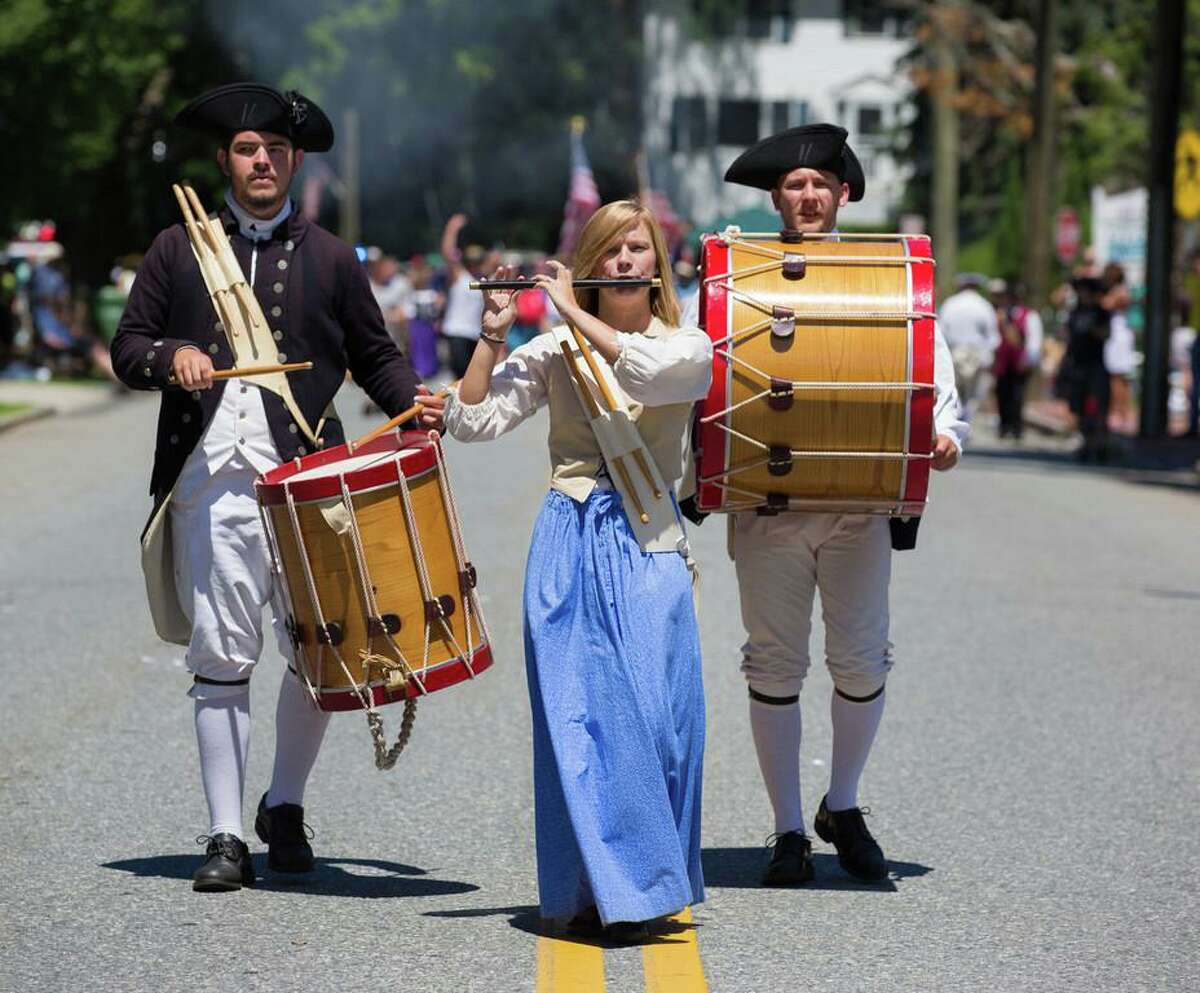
x=611, y=646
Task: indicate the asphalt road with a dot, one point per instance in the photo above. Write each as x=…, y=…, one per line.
x=1034, y=784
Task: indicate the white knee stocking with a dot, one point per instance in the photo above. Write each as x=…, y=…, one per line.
x=299, y=730
x=854, y=727
x=223, y=734
x=776, y=731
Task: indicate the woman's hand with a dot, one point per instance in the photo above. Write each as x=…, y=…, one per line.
x=499, y=306
x=558, y=285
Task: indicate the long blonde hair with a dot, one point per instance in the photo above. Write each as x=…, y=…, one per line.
x=604, y=227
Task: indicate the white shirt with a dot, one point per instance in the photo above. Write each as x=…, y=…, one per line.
x=945, y=405
x=238, y=437
x=969, y=321
x=464, y=308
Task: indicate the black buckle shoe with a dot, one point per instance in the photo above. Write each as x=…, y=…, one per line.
x=226, y=867
x=858, y=853
x=791, y=860
x=283, y=830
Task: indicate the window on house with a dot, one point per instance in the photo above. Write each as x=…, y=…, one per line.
x=737, y=122
x=869, y=17
x=769, y=20
x=784, y=114
x=870, y=121
x=689, y=124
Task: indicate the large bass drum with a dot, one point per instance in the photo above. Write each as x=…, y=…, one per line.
x=822, y=393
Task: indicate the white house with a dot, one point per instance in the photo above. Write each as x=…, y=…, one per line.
x=788, y=62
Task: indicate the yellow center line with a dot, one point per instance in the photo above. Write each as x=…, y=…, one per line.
x=671, y=963
x=569, y=966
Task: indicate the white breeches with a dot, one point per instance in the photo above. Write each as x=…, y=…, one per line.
x=223, y=575
x=781, y=563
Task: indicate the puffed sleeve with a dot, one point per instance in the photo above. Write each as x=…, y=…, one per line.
x=658, y=371
x=946, y=419
x=518, y=390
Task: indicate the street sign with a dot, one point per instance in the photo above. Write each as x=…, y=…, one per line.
x=1067, y=234
x=1187, y=175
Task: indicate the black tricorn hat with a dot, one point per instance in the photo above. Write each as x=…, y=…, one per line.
x=815, y=146
x=254, y=107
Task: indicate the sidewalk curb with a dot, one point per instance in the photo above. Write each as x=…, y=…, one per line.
x=10, y=421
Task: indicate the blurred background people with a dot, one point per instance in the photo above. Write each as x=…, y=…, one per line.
x=1016, y=357
x=1120, y=353
x=424, y=309
x=1085, y=378
x=968, y=322
x=464, y=306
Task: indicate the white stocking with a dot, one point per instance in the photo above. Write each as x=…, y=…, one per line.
x=299, y=730
x=854, y=727
x=223, y=734
x=776, y=731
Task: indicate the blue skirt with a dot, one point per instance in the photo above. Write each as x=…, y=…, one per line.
x=612, y=653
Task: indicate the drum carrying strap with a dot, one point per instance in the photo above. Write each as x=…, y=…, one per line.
x=652, y=513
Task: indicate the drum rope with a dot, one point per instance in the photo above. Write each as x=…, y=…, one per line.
x=733, y=233
x=368, y=590
x=425, y=580
x=807, y=454
x=460, y=550
x=281, y=577
x=809, y=316
x=414, y=539
x=311, y=582
x=816, y=387
x=801, y=384
x=809, y=503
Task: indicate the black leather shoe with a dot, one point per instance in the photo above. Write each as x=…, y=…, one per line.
x=858, y=852
x=227, y=865
x=791, y=860
x=283, y=830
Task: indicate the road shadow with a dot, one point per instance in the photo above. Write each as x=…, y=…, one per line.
x=331, y=877
x=742, y=868
x=529, y=920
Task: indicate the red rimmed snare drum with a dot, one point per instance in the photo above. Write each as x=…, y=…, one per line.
x=822, y=392
x=381, y=594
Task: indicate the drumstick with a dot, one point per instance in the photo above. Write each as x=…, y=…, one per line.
x=395, y=422
x=594, y=411
x=257, y=370
x=611, y=402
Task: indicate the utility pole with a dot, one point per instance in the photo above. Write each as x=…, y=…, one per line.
x=943, y=93
x=1040, y=163
x=1165, y=87
x=349, y=209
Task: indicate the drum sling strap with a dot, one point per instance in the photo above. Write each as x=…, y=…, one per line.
x=646, y=499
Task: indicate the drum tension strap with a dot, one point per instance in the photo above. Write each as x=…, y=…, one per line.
x=794, y=266
x=330, y=634
x=779, y=461
x=387, y=624
x=440, y=608
x=467, y=579
x=782, y=396
x=775, y=503
x=783, y=321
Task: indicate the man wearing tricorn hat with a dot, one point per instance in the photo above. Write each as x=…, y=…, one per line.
x=214, y=438
x=783, y=560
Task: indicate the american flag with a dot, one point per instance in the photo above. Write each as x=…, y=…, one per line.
x=582, y=198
